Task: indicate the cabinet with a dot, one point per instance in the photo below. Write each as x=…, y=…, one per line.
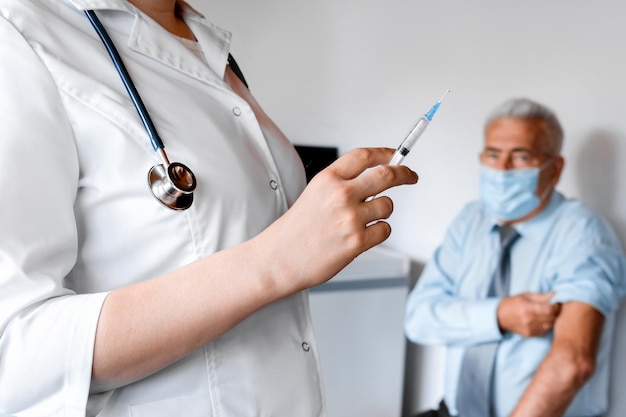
x=358, y=319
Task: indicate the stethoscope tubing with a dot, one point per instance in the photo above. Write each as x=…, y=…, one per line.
x=155, y=140
x=172, y=184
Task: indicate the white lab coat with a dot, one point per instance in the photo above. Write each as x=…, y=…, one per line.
x=77, y=218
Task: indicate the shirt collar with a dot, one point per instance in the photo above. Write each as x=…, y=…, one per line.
x=538, y=222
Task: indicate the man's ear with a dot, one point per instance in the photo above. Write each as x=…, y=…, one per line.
x=559, y=163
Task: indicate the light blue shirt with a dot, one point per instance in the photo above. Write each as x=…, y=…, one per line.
x=567, y=249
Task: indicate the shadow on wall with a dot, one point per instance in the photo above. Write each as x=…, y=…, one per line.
x=596, y=170
x=596, y=173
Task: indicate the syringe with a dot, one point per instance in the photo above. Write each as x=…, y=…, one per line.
x=415, y=133
x=411, y=139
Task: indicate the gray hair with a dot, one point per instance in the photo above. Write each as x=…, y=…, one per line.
x=525, y=109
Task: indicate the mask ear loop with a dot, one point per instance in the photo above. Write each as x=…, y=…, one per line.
x=171, y=183
x=550, y=187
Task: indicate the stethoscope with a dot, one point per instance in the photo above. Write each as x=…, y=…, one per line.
x=172, y=183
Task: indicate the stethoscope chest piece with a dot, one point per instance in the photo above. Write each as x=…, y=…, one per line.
x=172, y=186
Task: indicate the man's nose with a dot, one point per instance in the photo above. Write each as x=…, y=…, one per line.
x=504, y=163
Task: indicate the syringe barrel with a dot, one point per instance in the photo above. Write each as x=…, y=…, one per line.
x=411, y=139
x=397, y=157
x=416, y=132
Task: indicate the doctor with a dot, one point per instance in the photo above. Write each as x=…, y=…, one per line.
x=112, y=304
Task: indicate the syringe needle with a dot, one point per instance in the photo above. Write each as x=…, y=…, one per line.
x=444, y=94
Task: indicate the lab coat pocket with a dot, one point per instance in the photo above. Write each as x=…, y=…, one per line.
x=195, y=405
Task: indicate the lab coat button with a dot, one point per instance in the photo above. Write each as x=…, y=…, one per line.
x=274, y=185
x=236, y=111
x=306, y=347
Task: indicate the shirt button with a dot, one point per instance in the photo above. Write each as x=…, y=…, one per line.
x=306, y=347
x=236, y=111
x=274, y=185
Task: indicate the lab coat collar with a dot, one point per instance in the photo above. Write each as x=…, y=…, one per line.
x=121, y=5
x=215, y=42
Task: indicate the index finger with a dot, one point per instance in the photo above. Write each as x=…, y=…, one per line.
x=355, y=162
x=382, y=178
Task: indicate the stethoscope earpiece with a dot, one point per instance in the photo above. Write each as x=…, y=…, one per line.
x=172, y=186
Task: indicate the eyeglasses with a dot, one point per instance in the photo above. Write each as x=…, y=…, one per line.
x=517, y=158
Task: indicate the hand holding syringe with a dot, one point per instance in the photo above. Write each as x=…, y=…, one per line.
x=411, y=139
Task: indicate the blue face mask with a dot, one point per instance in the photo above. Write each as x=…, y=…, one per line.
x=509, y=194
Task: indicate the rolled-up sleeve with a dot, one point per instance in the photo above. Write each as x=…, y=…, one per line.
x=590, y=267
x=46, y=331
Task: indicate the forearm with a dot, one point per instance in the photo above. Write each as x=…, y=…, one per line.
x=147, y=326
x=449, y=320
x=570, y=363
x=553, y=387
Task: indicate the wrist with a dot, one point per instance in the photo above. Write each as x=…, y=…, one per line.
x=501, y=316
x=269, y=261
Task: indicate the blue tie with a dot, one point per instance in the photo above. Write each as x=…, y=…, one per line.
x=474, y=388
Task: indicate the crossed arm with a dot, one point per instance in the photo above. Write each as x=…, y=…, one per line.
x=571, y=361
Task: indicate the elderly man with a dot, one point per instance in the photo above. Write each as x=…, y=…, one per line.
x=524, y=289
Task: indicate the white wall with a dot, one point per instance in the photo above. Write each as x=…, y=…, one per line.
x=354, y=73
